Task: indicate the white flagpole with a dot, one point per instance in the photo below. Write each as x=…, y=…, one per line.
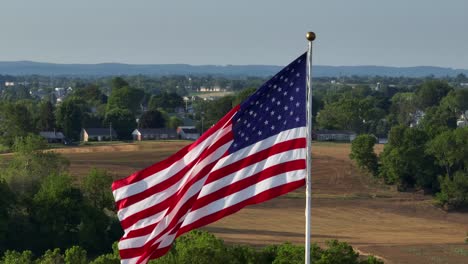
x=310, y=37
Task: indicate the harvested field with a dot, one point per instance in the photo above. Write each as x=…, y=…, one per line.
x=347, y=205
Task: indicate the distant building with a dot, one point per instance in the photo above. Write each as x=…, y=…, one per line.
x=52, y=136
x=154, y=133
x=97, y=134
x=188, y=132
x=334, y=135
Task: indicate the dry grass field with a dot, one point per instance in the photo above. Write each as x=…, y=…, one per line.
x=347, y=205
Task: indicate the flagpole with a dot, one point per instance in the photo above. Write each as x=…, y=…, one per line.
x=310, y=37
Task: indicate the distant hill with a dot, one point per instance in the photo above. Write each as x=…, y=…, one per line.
x=103, y=69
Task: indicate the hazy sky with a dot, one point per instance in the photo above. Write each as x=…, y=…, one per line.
x=350, y=32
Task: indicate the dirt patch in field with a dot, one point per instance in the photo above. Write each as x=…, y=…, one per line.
x=346, y=205
x=89, y=149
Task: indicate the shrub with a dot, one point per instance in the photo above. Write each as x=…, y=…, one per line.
x=453, y=191
x=75, y=255
x=14, y=257
x=362, y=151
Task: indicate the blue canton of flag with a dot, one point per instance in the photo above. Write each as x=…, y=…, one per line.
x=278, y=105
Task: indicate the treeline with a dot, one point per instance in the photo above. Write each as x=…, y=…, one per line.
x=182, y=85
x=199, y=247
x=125, y=109
x=42, y=207
x=414, y=160
x=426, y=150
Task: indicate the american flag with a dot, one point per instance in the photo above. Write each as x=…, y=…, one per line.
x=254, y=153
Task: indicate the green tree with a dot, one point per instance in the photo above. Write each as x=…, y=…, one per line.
x=403, y=108
x=122, y=120
x=16, y=121
x=430, y=93
x=362, y=151
x=97, y=189
x=75, y=255
x=46, y=119
x=338, y=252
x=197, y=247
x=30, y=165
x=289, y=254
x=216, y=109
x=450, y=150
x=454, y=191
x=69, y=116
x=51, y=257
x=359, y=115
x=242, y=95
x=438, y=119
x=118, y=82
x=7, y=204
x=56, y=210
x=166, y=101
x=91, y=94
x=125, y=98
x=405, y=162
x=174, y=122
x=152, y=119
x=14, y=257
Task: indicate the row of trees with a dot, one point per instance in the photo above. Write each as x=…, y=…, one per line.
x=426, y=150
x=199, y=247
x=364, y=110
x=90, y=107
x=412, y=159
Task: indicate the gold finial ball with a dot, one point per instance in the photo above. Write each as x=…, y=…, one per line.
x=310, y=36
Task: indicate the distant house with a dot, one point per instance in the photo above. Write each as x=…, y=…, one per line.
x=188, y=132
x=334, y=135
x=154, y=133
x=463, y=120
x=52, y=136
x=97, y=134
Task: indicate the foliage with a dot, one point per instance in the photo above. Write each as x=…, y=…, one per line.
x=14, y=257
x=289, y=254
x=166, y=101
x=174, y=122
x=51, y=257
x=362, y=151
x=46, y=119
x=338, y=252
x=454, y=191
x=69, y=115
x=125, y=98
x=30, y=165
x=355, y=114
x=16, y=121
x=450, y=150
x=122, y=120
x=242, y=95
x=151, y=119
x=7, y=200
x=403, y=108
x=438, y=119
x=56, y=208
x=430, y=93
x=404, y=161
x=96, y=188
x=92, y=94
x=75, y=255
